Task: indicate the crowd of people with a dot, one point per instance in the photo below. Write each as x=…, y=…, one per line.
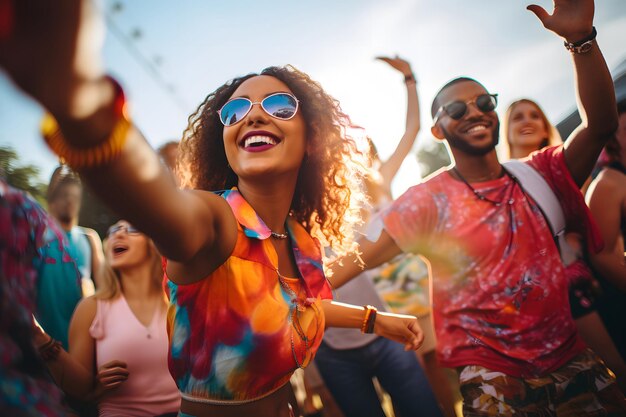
x=253, y=252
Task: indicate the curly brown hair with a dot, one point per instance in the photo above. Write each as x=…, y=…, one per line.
x=328, y=192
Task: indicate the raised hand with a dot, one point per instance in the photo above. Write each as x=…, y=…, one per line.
x=400, y=328
x=570, y=19
x=398, y=64
x=51, y=49
x=111, y=375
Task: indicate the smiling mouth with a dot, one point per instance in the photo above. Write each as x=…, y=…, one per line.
x=527, y=131
x=476, y=129
x=258, y=141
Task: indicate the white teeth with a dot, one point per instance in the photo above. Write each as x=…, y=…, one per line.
x=259, y=139
x=477, y=129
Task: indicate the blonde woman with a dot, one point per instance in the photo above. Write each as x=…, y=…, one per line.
x=118, y=337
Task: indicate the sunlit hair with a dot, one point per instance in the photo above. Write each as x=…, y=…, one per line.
x=327, y=194
x=109, y=278
x=554, y=137
x=62, y=176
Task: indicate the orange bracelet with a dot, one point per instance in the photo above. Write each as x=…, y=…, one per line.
x=95, y=156
x=368, y=320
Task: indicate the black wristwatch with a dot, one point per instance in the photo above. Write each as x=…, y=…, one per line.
x=582, y=46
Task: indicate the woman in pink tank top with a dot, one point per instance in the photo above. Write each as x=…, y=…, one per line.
x=118, y=339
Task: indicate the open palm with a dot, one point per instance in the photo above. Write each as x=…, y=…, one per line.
x=570, y=19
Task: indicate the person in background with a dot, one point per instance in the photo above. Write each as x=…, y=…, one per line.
x=500, y=294
x=347, y=360
x=59, y=293
x=26, y=389
x=526, y=129
x=118, y=336
x=169, y=155
x=607, y=200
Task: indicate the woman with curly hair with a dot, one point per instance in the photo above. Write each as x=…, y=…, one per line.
x=248, y=297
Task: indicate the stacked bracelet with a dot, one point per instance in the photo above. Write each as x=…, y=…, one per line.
x=97, y=155
x=50, y=350
x=369, y=319
x=583, y=45
x=410, y=78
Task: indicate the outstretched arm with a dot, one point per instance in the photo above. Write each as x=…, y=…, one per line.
x=573, y=21
x=52, y=51
x=372, y=255
x=390, y=167
x=398, y=327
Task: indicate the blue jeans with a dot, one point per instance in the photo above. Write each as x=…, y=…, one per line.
x=348, y=375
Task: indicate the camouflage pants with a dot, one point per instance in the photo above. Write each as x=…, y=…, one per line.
x=582, y=387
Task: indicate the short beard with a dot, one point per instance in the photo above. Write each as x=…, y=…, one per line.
x=457, y=143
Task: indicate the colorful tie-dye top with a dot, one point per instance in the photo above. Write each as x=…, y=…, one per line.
x=239, y=334
x=500, y=293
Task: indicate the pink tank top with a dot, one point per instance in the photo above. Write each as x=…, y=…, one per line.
x=149, y=389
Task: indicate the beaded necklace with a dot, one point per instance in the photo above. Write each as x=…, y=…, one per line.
x=295, y=309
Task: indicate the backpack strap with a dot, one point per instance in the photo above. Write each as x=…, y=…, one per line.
x=536, y=186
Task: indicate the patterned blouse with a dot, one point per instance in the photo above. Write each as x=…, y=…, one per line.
x=25, y=230
x=238, y=334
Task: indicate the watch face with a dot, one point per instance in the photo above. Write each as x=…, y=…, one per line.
x=585, y=47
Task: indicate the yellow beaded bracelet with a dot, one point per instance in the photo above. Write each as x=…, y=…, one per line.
x=98, y=155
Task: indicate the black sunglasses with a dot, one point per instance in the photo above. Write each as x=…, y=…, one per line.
x=281, y=106
x=457, y=109
x=131, y=230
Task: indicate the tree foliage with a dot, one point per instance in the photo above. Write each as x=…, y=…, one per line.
x=432, y=156
x=24, y=177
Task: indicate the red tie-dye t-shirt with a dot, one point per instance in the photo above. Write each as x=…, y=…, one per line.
x=500, y=296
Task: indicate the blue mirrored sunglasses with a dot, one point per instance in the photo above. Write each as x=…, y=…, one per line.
x=281, y=106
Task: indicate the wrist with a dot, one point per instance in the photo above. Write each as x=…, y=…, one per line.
x=79, y=98
x=40, y=339
x=580, y=44
x=409, y=78
x=369, y=319
x=580, y=36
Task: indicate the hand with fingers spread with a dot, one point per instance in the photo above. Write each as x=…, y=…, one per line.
x=570, y=19
x=111, y=375
x=399, y=328
x=398, y=64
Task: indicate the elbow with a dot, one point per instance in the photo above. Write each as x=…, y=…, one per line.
x=606, y=127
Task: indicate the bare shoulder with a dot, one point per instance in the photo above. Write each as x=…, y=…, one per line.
x=611, y=180
x=89, y=232
x=84, y=313
x=87, y=307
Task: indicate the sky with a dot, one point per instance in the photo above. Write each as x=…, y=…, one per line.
x=188, y=48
